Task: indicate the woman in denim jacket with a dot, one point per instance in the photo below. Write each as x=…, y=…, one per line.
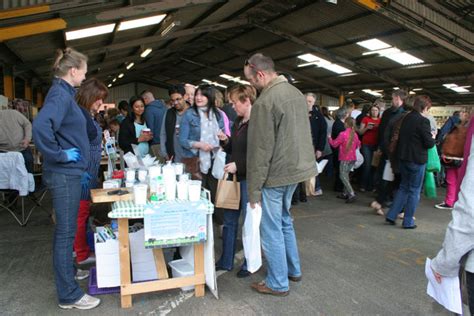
x=198, y=134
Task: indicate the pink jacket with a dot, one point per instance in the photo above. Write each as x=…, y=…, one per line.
x=226, y=123
x=341, y=142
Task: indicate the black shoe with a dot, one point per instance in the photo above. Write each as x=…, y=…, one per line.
x=294, y=202
x=303, y=200
x=295, y=279
x=351, y=199
x=342, y=196
x=389, y=221
x=410, y=227
x=243, y=273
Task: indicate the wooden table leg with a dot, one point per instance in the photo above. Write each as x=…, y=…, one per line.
x=199, y=267
x=160, y=264
x=124, y=252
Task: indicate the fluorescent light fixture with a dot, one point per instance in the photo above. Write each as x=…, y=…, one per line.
x=417, y=89
x=404, y=58
x=120, y=75
x=374, y=93
x=457, y=88
x=336, y=68
x=146, y=52
x=168, y=29
x=244, y=82
x=151, y=20
x=310, y=58
x=109, y=85
x=350, y=92
x=214, y=83
x=206, y=81
x=115, y=79
x=130, y=65
x=383, y=52
x=450, y=85
x=90, y=31
x=321, y=62
x=373, y=44
x=412, y=92
x=226, y=76
x=396, y=88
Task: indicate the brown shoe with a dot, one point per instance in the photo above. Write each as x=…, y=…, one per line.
x=261, y=287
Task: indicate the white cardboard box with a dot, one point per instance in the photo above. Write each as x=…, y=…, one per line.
x=107, y=262
x=143, y=261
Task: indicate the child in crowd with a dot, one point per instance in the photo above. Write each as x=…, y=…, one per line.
x=347, y=142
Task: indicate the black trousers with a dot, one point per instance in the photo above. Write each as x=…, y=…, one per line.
x=470, y=290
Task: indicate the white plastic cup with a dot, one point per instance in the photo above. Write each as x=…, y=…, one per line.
x=140, y=194
x=130, y=175
x=178, y=168
x=182, y=190
x=194, y=190
x=129, y=184
x=142, y=173
x=154, y=171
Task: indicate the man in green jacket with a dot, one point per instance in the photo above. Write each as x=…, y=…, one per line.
x=280, y=155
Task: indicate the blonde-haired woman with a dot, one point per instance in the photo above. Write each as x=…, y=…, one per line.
x=60, y=133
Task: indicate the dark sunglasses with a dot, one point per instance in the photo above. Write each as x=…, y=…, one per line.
x=247, y=63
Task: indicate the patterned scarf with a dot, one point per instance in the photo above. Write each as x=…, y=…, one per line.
x=209, y=130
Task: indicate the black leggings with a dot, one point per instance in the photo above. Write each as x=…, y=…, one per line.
x=470, y=290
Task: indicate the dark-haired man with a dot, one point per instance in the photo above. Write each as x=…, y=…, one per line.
x=280, y=155
x=170, y=147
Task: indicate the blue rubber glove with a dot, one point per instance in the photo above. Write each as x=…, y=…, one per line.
x=85, y=181
x=73, y=154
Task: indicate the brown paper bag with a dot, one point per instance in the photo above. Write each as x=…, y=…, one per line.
x=228, y=193
x=310, y=186
x=376, y=158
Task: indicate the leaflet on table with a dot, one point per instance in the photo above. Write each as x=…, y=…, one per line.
x=175, y=224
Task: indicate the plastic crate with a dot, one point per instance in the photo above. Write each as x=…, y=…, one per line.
x=94, y=290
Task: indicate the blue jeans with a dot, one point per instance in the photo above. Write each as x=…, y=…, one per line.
x=367, y=182
x=229, y=233
x=66, y=193
x=278, y=237
x=408, y=195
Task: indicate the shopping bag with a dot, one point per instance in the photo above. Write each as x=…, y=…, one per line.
x=434, y=163
x=228, y=193
x=309, y=186
x=360, y=159
x=388, y=172
x=320, y=165
x=430, y=185
x=251, y=238
x=219, y=164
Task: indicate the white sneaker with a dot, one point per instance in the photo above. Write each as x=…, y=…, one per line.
x=90, y=259
x=81, y=274
x=86, y=302
x=318, y=192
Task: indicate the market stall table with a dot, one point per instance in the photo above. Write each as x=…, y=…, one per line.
x=127, y=288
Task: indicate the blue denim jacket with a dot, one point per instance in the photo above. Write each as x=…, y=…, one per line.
x=190, y=131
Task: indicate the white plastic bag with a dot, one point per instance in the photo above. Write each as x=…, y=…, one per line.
x=251, y=238
x=388, y=172
x=219, y=164
x=360, y=159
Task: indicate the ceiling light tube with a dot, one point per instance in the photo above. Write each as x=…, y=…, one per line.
x=146, y=52
x=121, y=75
x=90, y=31
x=131, y=24
x=130, y=65
x=168, y=29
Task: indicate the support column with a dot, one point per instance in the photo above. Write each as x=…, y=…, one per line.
x=341, y=99
x=8, y=83
x=28, y=90
x=39, y=98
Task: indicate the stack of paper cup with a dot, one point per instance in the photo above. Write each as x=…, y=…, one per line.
x=154, y=171
x=169, y=177
x=142, y=173
x=194, y=190
x=178, y=168
x=140, y=194
x=182, y=190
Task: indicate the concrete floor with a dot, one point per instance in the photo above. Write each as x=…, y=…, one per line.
x=352, y=264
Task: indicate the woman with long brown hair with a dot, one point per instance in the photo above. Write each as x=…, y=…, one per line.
x=90, y=97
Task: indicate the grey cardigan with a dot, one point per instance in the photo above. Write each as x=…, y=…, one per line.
x=459, y=238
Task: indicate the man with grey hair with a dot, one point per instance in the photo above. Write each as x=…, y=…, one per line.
x=189, y=96
x=154, y=112
x=341, y=114
x=279, y=156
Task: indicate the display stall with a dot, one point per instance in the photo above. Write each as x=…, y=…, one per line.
x=175, y=213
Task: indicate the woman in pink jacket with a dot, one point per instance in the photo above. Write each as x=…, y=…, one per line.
x=347, y=142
